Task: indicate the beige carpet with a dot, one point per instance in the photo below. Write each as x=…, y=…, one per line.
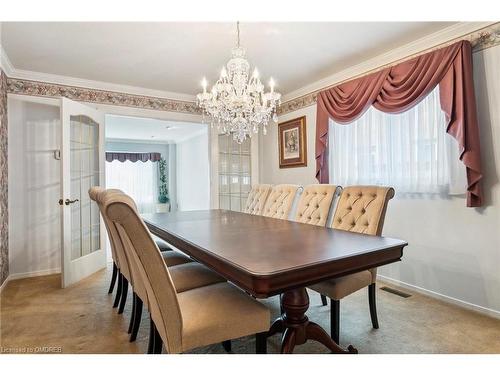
x=37, y=315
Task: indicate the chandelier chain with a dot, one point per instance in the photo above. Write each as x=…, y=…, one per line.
x=238, y=29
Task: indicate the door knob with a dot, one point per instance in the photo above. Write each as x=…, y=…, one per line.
x=67, y=202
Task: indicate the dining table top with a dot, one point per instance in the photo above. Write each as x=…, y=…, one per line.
x=267, y=256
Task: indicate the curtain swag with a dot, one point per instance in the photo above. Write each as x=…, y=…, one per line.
x=398, y=88
x=133, y=156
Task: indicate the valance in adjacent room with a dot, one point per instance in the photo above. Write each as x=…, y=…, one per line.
x=398, y=88
x=133, y=156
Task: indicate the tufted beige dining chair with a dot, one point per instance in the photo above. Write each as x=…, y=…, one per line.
x=360, y=209
x=184, y=320
x=170, y=258
x=280, y=201
x=314, y=204
x=123, y=267
x=123, y=270
x=187, y=274
x=257, y=199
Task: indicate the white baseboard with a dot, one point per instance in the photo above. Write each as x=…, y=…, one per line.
x=24, y=275
x=455, y=301
x=4, y=284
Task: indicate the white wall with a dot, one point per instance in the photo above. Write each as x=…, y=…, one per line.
x=453, y=250
x=172, y=176
x=34, y=188
x=270, y=172
x=193, y=174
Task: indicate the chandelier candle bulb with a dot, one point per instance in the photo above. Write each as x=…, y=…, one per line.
x=237, y=102
x=204, y=85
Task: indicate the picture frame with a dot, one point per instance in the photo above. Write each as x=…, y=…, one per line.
x=292, y=143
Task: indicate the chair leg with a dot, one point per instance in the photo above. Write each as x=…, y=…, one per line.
x=137, y=318
x=123, y=298
x=335, y=320
x=151, y=342
x=323, y=300
x=132, y=315
x=113, y=278
x=155, y=342
x=261, y=343
x=118, y=290
x=158, y=342
x=227, y=345
x=373, y=305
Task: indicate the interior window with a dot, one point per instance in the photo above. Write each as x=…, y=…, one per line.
x=139, y=180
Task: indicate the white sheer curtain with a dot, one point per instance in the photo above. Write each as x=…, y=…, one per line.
x=139, y=180
x=410, y=151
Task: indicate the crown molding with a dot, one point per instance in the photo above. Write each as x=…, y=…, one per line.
x=97, y=85
x=430, y=41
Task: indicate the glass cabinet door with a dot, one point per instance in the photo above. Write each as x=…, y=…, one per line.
x=234, y=173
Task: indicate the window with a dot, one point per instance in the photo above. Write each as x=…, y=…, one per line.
x=410, y=151
x=139, y=180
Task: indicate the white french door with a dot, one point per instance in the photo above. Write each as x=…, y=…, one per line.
x=82, y=166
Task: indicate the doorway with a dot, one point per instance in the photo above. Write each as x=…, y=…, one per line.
x=163, y=165
x=35, y=176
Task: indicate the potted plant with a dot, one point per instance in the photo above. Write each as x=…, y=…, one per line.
x=163, y=198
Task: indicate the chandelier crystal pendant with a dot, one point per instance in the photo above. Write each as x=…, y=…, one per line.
x=237, y=103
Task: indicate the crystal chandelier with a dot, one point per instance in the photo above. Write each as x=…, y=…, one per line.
x=237, y=103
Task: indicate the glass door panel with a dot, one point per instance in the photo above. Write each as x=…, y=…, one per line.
x=84, y=149
x=82, y=165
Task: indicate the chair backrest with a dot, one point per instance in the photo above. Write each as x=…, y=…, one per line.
x=280, y=201
x=123, y=248
x=257, y=199
x=163, y=303
x=314, y=204
x=362, y=209
x=116, y=250
x=93, y=192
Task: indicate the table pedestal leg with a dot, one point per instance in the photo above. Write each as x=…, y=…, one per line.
x=297, y=328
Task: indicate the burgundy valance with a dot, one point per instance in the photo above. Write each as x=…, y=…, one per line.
x=396, y=89
x=133, y=156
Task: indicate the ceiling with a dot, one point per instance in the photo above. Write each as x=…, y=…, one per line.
x=174, y=56
x=151, y=130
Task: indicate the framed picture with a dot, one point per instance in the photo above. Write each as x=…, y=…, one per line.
x=292, y=143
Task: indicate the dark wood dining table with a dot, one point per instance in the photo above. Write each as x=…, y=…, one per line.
x=268, y=257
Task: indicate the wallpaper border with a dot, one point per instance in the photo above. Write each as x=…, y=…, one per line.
x=82, y=94
x=480, y=40
x=4, y=214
